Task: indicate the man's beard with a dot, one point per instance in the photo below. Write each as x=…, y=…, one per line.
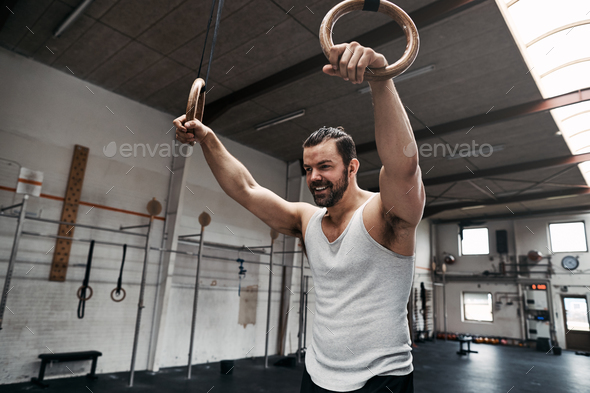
x=335, y=191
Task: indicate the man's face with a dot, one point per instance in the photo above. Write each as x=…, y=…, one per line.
x=326, y=175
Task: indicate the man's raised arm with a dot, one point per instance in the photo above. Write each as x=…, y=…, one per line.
x=400, y=180
x=238, y=183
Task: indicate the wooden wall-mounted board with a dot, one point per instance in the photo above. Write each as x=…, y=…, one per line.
x=61, y=254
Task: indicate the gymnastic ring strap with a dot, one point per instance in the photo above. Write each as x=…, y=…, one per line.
x=82, y=289
x=217, y=23
x=120, y=280
x=82, y=292
x=206, y=37
x=216, y=29
x=372, y=5
x=83, y=298
x=196, y=101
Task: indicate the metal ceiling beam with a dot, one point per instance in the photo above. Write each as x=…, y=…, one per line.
x=552, y=184
x=558, y=210
x=423, y=17
x=500, y=115
x=508, y=169
x=431, y=210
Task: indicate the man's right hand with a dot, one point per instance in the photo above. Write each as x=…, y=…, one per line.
x=190, y=132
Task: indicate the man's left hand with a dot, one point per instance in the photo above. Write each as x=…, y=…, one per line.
x=349, y=61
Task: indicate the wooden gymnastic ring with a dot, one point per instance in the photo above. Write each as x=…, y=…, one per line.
x=390, y=9
x=113, y=295
x=80, y=292
x=196, y=101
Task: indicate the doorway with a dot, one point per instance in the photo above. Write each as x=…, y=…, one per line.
x=577, y=327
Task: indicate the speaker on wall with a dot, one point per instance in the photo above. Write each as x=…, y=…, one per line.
x=502, y=241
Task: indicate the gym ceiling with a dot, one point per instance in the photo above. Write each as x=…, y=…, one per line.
x=267, y=64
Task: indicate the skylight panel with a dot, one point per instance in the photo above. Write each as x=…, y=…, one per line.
x=554, y=39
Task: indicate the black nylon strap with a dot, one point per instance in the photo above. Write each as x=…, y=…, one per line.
x=217, y=22
x=206, y=36
x=88, y=264
x=82, y=302
x=120, y=280
x=218, y=19
x=371, y=5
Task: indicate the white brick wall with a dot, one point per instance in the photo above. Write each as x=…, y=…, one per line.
x=39, y=131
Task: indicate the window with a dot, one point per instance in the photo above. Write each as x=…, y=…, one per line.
x=475, y=241
x=568, y=237
x=477, y=306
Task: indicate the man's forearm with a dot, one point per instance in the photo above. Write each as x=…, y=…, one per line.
x=231, y=174
x=393, y=132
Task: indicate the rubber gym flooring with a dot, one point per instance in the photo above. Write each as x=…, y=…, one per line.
x=437, y=368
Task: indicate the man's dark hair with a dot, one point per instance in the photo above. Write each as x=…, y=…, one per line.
x=344, y=142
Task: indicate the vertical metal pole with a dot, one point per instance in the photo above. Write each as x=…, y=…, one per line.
x=521, y=304
x=305, y=320
x=552, y=334
x=19, y=230
x=268, y=306
x=140, y=305
x=444, y=269
x=434, y=311
x=412, y=324
x=195, y=301
x=300, y=335
x=433, y=279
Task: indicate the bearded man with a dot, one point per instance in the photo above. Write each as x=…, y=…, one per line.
x=360, y=245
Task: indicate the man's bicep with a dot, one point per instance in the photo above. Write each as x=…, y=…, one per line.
x=402, y=197
x=276, y=212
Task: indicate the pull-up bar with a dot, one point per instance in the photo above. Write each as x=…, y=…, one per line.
x=10, y=207
x=220, y=246
x=193, y=235
x=80, y=240
x=78, y=225
x=121, y=227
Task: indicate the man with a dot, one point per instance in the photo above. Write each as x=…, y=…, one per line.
x=360, y=245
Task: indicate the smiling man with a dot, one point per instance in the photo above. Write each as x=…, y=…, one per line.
x=360, y=245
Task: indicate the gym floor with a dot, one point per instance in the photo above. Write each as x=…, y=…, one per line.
x=437, y=368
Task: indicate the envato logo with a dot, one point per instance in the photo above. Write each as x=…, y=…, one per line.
x=140, y=149
x=462, y=150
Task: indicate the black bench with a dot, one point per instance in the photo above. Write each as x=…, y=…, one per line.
x=66, y=357
x=465, y=339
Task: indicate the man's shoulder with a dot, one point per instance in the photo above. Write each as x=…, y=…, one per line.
x=307, y=210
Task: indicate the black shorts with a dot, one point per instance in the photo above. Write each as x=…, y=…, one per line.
x=377, y=384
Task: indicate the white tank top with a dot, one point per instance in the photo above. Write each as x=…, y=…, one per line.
x=360, y=328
